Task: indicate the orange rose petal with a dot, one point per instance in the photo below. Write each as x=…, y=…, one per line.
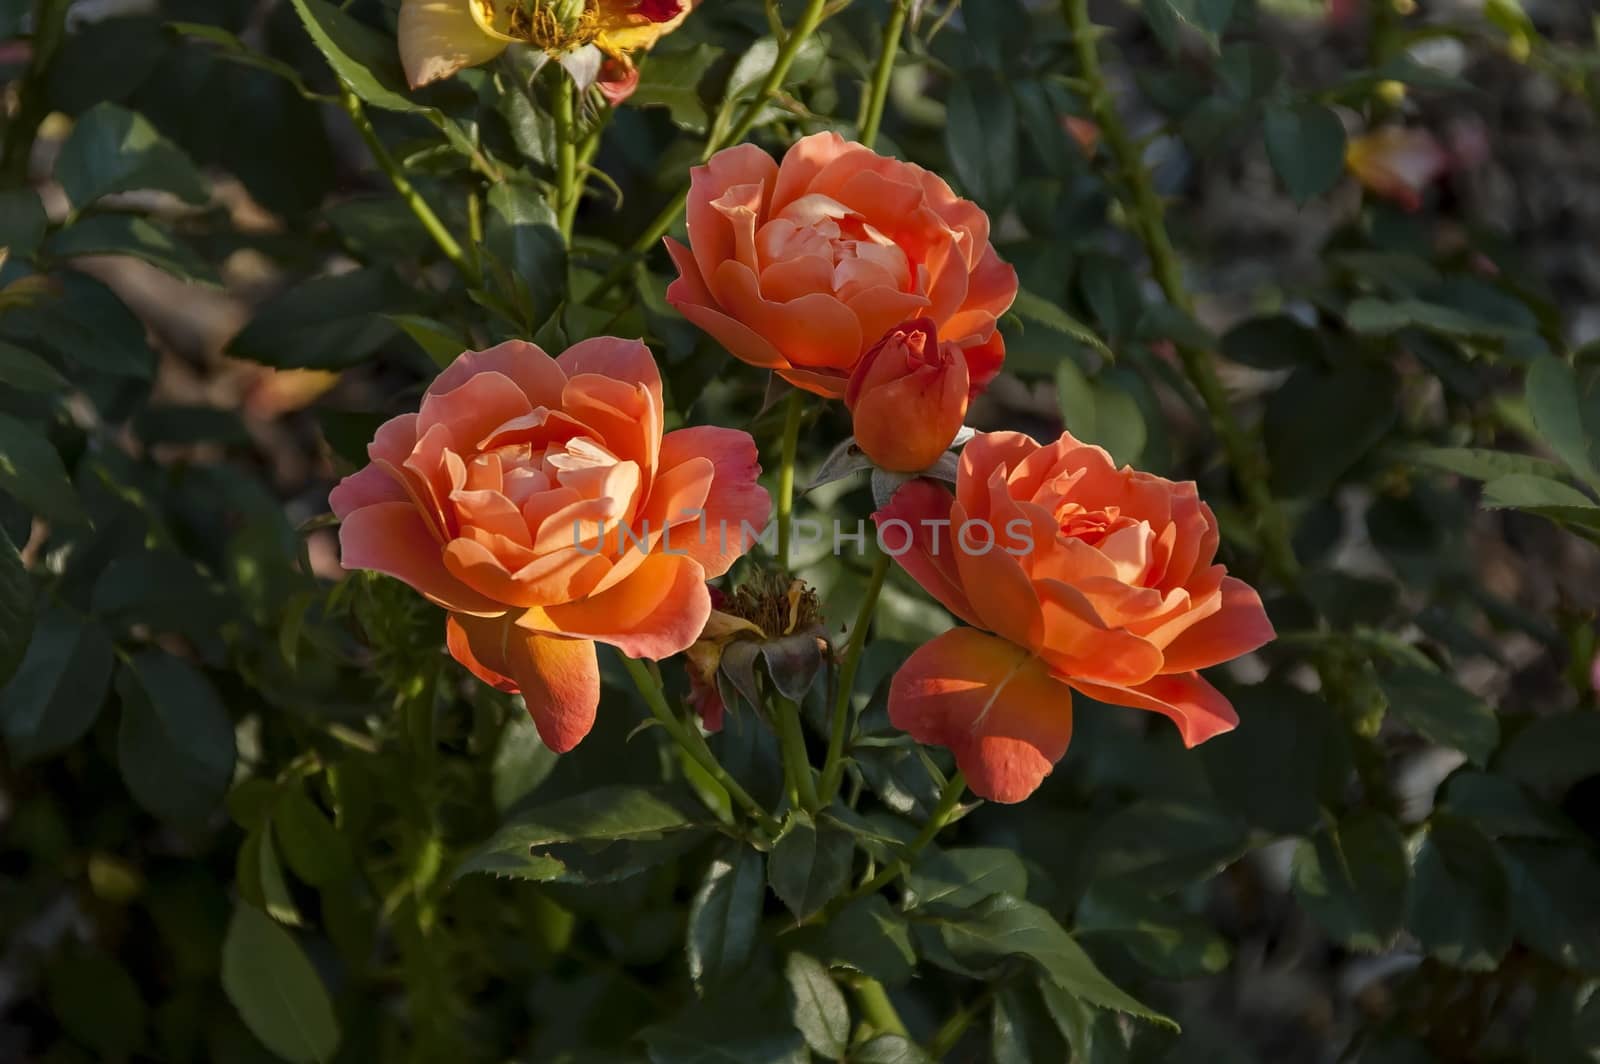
x=392, y=538
x=439, y=37
x=880, y=309
x=742, y=342
x=469, y=413
x=918, y=501
x=1000, y=592
x=627, y=361
x=1199, y=710
x=710, y=236
x=656, y=612
x=367, y=486
x=1238, y=627
x=982, y=455
x=996, y=707
x=984, y=361
x=792, y=278
x=818, y=382
x=525, y=364
x=804, y=160
x=733, y=500
x=990, y=293
x=559, y=679
x=1077, y=643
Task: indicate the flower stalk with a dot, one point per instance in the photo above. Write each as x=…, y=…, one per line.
x=793, y=408
x=833, y=766
x=567, y=189
x=878, y=90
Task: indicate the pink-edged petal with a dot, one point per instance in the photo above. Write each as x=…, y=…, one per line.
x=994, y=705
x=471, y=411
x=1239, y=627
x=907, y=527
x=366, y=487
x=558, y=678
x=658, y=611
x=804, y=160
x=1199, y=710
x=392, y=538
x=527, y=366
x=735, y=499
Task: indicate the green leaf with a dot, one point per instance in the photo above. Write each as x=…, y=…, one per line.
x=1554, y=397
x=1037, y=308
x=1306, y=147
x=1096, y=1036
x=1542, y=496
x=1170, y=942
x=16, y=611
x=981, y=138
x=1498, y=807
x=312, y=846
x=27, y=372
x=1443, y=711
x=97, y=1002
x=810, y=864
x=1101, y=412
x=1007, y=926
x=1461, y=895
x=1553, y=889
x=672, y=80
x=330, y=322
x=817, y=1006
x=31, y=472
x=274, y=891
x=745, y=1023
x=1021, y=1029
x=1111, y=290
x=1286, y=757
x=724, y=918
x=1160, y=846
x=58, y=690
x=960, y=879
x=22, y=221
x=1482, y=464
x=605, y=814
x=276, y=990
x=175, y=744
x=1553, y=752
x=521, y=762
x=437, y=340
x=363, y=58
x=1353, y=879
x=87, y=327
x=1323, y=421
x=139, y=238
x=524, y=238
x=866, y=935
x=112, y=149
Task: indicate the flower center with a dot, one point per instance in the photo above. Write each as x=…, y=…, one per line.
x=1090, y=526
x=553, y=26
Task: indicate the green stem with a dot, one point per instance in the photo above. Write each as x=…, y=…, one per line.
x=566, y=153
x=795, y=406
x=833, y=767
x=656, y=699
x=796, y=765
x=408, y=192
x=1249, y=462
x=878, y=91
x=787, y=51
x=946, y=1037
x=949, y=799
x=49, y=28
x=876, y=1008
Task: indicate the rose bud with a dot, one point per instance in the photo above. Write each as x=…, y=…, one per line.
x=908, y=398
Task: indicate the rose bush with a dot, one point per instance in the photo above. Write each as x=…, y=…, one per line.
x=1226, y=363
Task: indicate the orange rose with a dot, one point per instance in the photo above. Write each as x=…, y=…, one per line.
x=801, y=268
x=1089, y=578
x=538, y=501
x=908, y=398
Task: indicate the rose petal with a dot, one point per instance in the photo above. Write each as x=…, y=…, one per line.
x=1199, y=710
x=658, y=611
x=438, y=38
x=1239, y=627
x=923, y=506
x=996, y=707
x=559, y=679
x=392, y=538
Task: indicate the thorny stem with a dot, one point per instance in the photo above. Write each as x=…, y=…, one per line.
x=650, y=688
x=878, y=91
x=949, y=799
x=408, y=192
x=1247, y=460
x=833, y=767
x=49, y=27
x=567, y=192
x=794, y=407
x=796, y=766
x=787, y=52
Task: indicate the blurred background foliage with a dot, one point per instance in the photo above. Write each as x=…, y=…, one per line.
x=244, y=803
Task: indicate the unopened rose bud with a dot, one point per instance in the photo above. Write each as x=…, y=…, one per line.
x=908, y=397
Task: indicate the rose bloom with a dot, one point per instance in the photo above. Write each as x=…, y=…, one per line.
x=802, y=267
x=1397, y=163
x=908, y=398
x=500, y=500
x=1094, y=579
x=440, y=37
